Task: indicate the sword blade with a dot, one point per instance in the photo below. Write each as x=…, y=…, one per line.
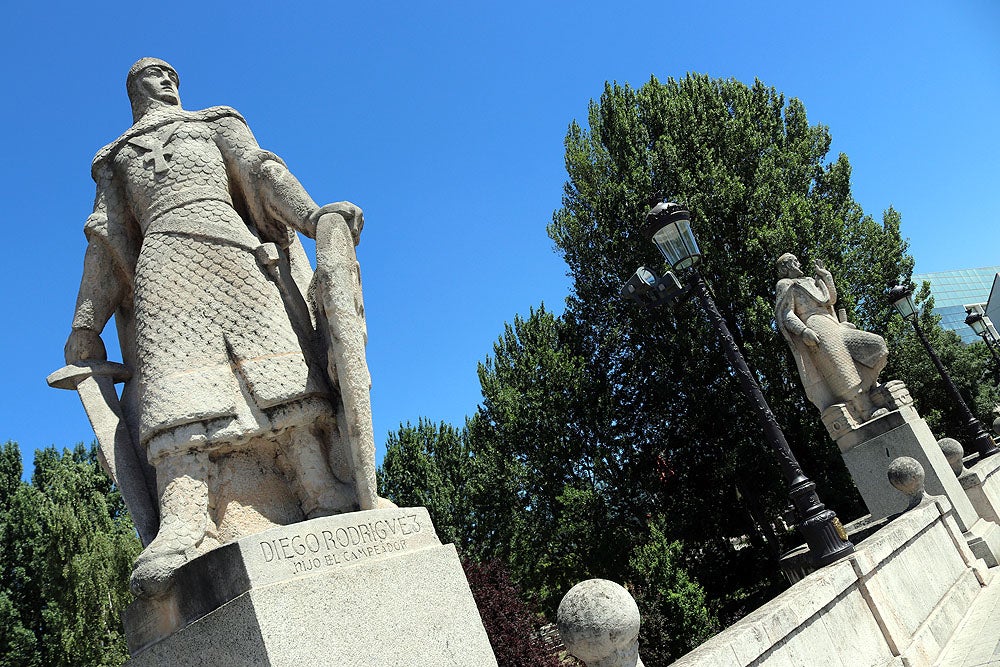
x=94, y=383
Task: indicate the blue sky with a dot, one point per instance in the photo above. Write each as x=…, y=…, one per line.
x=445, y=122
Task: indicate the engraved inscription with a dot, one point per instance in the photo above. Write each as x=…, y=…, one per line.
x=309, y=551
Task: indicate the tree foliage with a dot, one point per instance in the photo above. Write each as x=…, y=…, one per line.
x=510, y=625
x=609, y=419
x=68, y=546
x=674, y=611
x=556, y=521
x=430, y=466
x=521, y=483
x=753, y=171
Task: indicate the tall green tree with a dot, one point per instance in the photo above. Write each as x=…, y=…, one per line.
x=18, y=594
x=431, y=466
x=755, y=175
x=522, y=482
x=558, y=500
x=68, y=546
x=596, y=421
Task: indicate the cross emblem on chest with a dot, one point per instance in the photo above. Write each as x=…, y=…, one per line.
x=155, y=145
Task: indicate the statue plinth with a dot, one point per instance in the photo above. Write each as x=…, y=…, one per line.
x=893, y=407
x=868, y=450
x=982, y=484
x=373, y=588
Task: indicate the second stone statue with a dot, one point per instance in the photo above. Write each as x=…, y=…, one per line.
x=839, y=364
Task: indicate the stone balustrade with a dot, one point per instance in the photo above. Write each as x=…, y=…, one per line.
x=896, y=601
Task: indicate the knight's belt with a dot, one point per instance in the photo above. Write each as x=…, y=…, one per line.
x=229, y=228
x=168, y=201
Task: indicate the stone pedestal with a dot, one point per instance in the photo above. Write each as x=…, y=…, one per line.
x=897, y=601
x=372, y=588
x=868, y=450
x=982, y=484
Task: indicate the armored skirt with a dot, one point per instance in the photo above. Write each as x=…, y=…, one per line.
x=214, y=341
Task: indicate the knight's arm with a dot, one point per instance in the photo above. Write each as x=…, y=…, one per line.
x=262, y=175
x=823, y=274
x=101, y=288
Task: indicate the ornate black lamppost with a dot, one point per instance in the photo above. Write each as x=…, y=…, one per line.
x=901, y=298
x=978, y=324
x=668, y=225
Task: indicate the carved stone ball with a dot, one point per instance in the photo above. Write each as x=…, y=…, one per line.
x=953, y=452
x=907, y=475
x=996, y=425
x=598, y=618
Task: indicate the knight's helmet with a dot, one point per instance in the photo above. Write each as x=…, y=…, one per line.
x=140, y=103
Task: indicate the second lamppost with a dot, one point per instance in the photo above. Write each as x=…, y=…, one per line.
x=978, y=324
x=668, y=226
x=902, y=299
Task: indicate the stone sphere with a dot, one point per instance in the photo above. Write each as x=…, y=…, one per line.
x=907, y=475
x=598, y=618
x=953, y=452
x=996, y=425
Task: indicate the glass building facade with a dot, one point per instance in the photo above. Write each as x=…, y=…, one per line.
x=954, y=290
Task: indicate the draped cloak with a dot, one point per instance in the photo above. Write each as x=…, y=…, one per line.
x=845, y=361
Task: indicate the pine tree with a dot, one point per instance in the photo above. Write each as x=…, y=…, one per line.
x=68, y=546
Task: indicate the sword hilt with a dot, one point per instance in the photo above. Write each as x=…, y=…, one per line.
x=68, y=377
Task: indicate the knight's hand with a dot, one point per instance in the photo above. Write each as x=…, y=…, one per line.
x=85, y=345
x=820, y=266
x=349, y=212
x=810, y=338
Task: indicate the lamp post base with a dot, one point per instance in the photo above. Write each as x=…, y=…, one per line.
x=980, y=439
x=819, y=526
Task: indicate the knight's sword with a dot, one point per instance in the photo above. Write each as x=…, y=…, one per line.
x=94, y=382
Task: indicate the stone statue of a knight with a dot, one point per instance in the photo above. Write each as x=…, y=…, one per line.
x=246, y=392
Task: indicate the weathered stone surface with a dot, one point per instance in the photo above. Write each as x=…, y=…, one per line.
x=983, y=539
x=982, y=484
x=245, y=381
x=897, y=600
x=907, y=475
x=599, y=623
x=953, y=454
x=369, y=589
x=903, y=433
x=838, y=364
x=885, y=438
x=274, y=556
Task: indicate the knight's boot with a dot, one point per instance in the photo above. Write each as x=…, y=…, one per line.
x=183, y=487
x=318, y=490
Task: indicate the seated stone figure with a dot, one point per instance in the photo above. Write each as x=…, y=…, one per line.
x=838, y=363
x=248, y=389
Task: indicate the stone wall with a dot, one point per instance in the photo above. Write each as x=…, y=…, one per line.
x=899, y=598
x=982, y=484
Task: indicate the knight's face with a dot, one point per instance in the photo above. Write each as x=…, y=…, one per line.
x=159, y=83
